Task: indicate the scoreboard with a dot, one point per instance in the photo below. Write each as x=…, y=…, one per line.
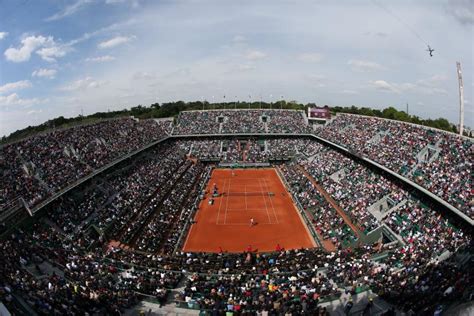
x=319, y=113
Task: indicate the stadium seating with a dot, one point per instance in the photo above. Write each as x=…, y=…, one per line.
x=437, y=160
x=117, y=239
x=37, y=167
x=241, y=121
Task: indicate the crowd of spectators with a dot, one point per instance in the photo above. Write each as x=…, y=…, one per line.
x=39, y=166
x=354, y=186
x=358, y=190
x=71, y=213
x=247, y=121
x=155, y=236
x=424, y=230
x=437, y=160
x=327, y=222
x=241, y=121
x=80, y=283
x=283, y=282
x=133, y=224
x=146, y=204
x=251, y=149
x=198, y=122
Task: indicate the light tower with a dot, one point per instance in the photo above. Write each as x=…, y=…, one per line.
x=461, y=99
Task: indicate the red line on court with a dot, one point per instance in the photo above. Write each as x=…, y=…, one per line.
x=278, y=221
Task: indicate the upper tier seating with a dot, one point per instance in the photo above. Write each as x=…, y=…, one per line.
x=241, y=121
x=39, y=166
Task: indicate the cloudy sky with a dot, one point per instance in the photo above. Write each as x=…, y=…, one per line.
x=61, y=57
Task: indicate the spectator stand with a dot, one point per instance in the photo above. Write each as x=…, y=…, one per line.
x=188, y=220
x=399, y=177
x=437, y=160
x=316, y=237
x=412, y=265
x=82, y=132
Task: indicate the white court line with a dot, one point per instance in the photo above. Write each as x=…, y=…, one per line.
x=220, y=204
x=245, y=224
x=227, y=201
x=264, y=199
x=241, y=209
x=271, y=201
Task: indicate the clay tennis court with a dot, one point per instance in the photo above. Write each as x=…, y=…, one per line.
x=249, y=193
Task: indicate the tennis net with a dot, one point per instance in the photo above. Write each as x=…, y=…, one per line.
x=248, y=194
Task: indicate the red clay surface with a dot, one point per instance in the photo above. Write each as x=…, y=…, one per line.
x=225, y=225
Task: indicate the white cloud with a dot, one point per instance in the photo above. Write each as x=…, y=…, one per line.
x=68, y=10
x=462, y=11
x=45, y=47
x=350, y=92
x=144, y=75
x=83, y=84
x=239, y=39
x=310, y=57
x=432, y=81
x=378, y=34
x=51, y=53
x=364, y=65
x=246, y=67
x=316, y=80
x=255, y=55
x=12, y=86
x=424, y=86
x=45, y=73
x=28, y=45
x=134, y=3
x=34, y=112
x=118, y=40
x=14, y=99
x=3, y=35
x=100, y=59
x=384, y=86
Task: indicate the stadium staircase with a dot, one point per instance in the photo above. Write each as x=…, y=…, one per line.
x=245, y=151
x=23, y=306
x=426, y=155
x=338, y=175
x=54, y=226
x=384, y=207
x=43, y=184
x=377, y=137
x=305, y=118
